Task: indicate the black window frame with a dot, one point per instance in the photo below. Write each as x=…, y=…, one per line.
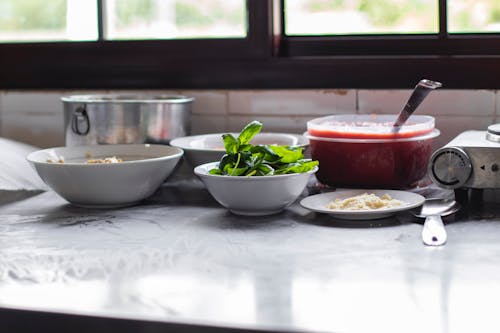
x=265, y=59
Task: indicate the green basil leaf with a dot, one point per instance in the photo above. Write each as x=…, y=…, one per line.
x=267, y=153
x=288, y=154
x=265, y=169
x=231, y=144
x=245, y=159
x=215, y=171
x=245, y=147
x=249, y=132
x=299, y=167
x=252, y=173
x=227, y=160
x=236, y=171
x=253, y=161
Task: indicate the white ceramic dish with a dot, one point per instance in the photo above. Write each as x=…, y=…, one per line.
x=143, y=170
x=262, y=195
x=319, y=203
x=201, y=149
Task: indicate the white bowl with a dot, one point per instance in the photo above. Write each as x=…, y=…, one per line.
x=201, y=149
x=257, y=195
x=143, y=170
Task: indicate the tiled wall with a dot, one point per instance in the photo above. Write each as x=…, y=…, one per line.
x=36, y=117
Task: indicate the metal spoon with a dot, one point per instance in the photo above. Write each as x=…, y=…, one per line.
x=422, y=89
x=433, y=232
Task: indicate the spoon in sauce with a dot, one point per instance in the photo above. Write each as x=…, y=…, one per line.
x=422, y=89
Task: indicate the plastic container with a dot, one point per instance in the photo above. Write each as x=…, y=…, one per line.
x=364, y=151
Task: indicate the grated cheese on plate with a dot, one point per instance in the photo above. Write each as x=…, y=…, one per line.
x=365, y=201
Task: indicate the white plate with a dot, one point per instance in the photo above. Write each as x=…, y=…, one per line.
x=319, y=203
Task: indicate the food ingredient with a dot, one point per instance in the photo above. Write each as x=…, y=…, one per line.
x=58, y=160
x=361, y=151
x=365, y=130
x=113, y=159
x=245, y=159
x=365, y=201
x=104, y=160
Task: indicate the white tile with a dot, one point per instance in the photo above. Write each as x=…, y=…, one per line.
x=291, y=102
x=42, y=129
x=29, y=101
x=381, y=101
x=440, y=102
x=208, y=102
x=460, y=102
x=203, y=124
x=33, y=117
x=291, y=124
x=451, y=126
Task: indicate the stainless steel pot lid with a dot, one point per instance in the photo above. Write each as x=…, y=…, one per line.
x=127, y=99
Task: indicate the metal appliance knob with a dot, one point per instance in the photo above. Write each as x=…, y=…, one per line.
x=450, y=167
x=493, y=133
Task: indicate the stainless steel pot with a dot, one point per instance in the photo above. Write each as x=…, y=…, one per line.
x=112, y=119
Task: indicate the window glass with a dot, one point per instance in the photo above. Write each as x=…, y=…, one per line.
x=473, y=16
x=165, y=19
x=340, y=17
x=47, y=20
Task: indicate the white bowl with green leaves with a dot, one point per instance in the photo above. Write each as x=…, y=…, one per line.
x=245, y=195
x=256, y=179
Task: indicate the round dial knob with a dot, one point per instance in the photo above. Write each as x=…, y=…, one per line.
x=450, y=167
x=493, y=133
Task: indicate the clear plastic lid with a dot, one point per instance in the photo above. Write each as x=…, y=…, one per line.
x=366, y=126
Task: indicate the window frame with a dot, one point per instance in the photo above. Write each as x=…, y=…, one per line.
x=265, y=59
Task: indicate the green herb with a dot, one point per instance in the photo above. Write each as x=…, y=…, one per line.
x=245, y=159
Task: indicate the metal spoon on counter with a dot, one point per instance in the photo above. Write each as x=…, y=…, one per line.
x=422, y=89
x=433, y=232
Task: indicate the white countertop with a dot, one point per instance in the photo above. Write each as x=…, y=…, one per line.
x=180, y=257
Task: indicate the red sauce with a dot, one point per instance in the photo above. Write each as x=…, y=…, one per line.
x=351, y=162
x=386, y=164
x=384, y=133
x=397, y=164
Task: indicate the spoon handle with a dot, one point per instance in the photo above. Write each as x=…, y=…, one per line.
x=433, y=232
x=422, y=89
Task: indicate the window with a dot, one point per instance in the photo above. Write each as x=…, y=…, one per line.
x=77, y=20
x=168, y=19
x=51, y=20
x=248, y=43
x=467, y=16
x=348, y=17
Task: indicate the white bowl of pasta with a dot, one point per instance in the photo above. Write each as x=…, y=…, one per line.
x=105, y=176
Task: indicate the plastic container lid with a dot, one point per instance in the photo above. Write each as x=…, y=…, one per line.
x=369, y=127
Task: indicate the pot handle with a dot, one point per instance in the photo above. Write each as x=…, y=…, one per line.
x=80, y=116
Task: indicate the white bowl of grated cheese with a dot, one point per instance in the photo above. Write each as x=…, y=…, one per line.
x=105, y=176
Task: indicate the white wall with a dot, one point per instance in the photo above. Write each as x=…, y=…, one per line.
x=36, y=117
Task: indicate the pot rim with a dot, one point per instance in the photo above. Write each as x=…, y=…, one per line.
x=434, y=133
x=104, y=98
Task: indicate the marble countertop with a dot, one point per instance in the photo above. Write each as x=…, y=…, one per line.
x=181, y=258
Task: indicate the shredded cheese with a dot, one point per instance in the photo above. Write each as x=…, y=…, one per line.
x=365, y=201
